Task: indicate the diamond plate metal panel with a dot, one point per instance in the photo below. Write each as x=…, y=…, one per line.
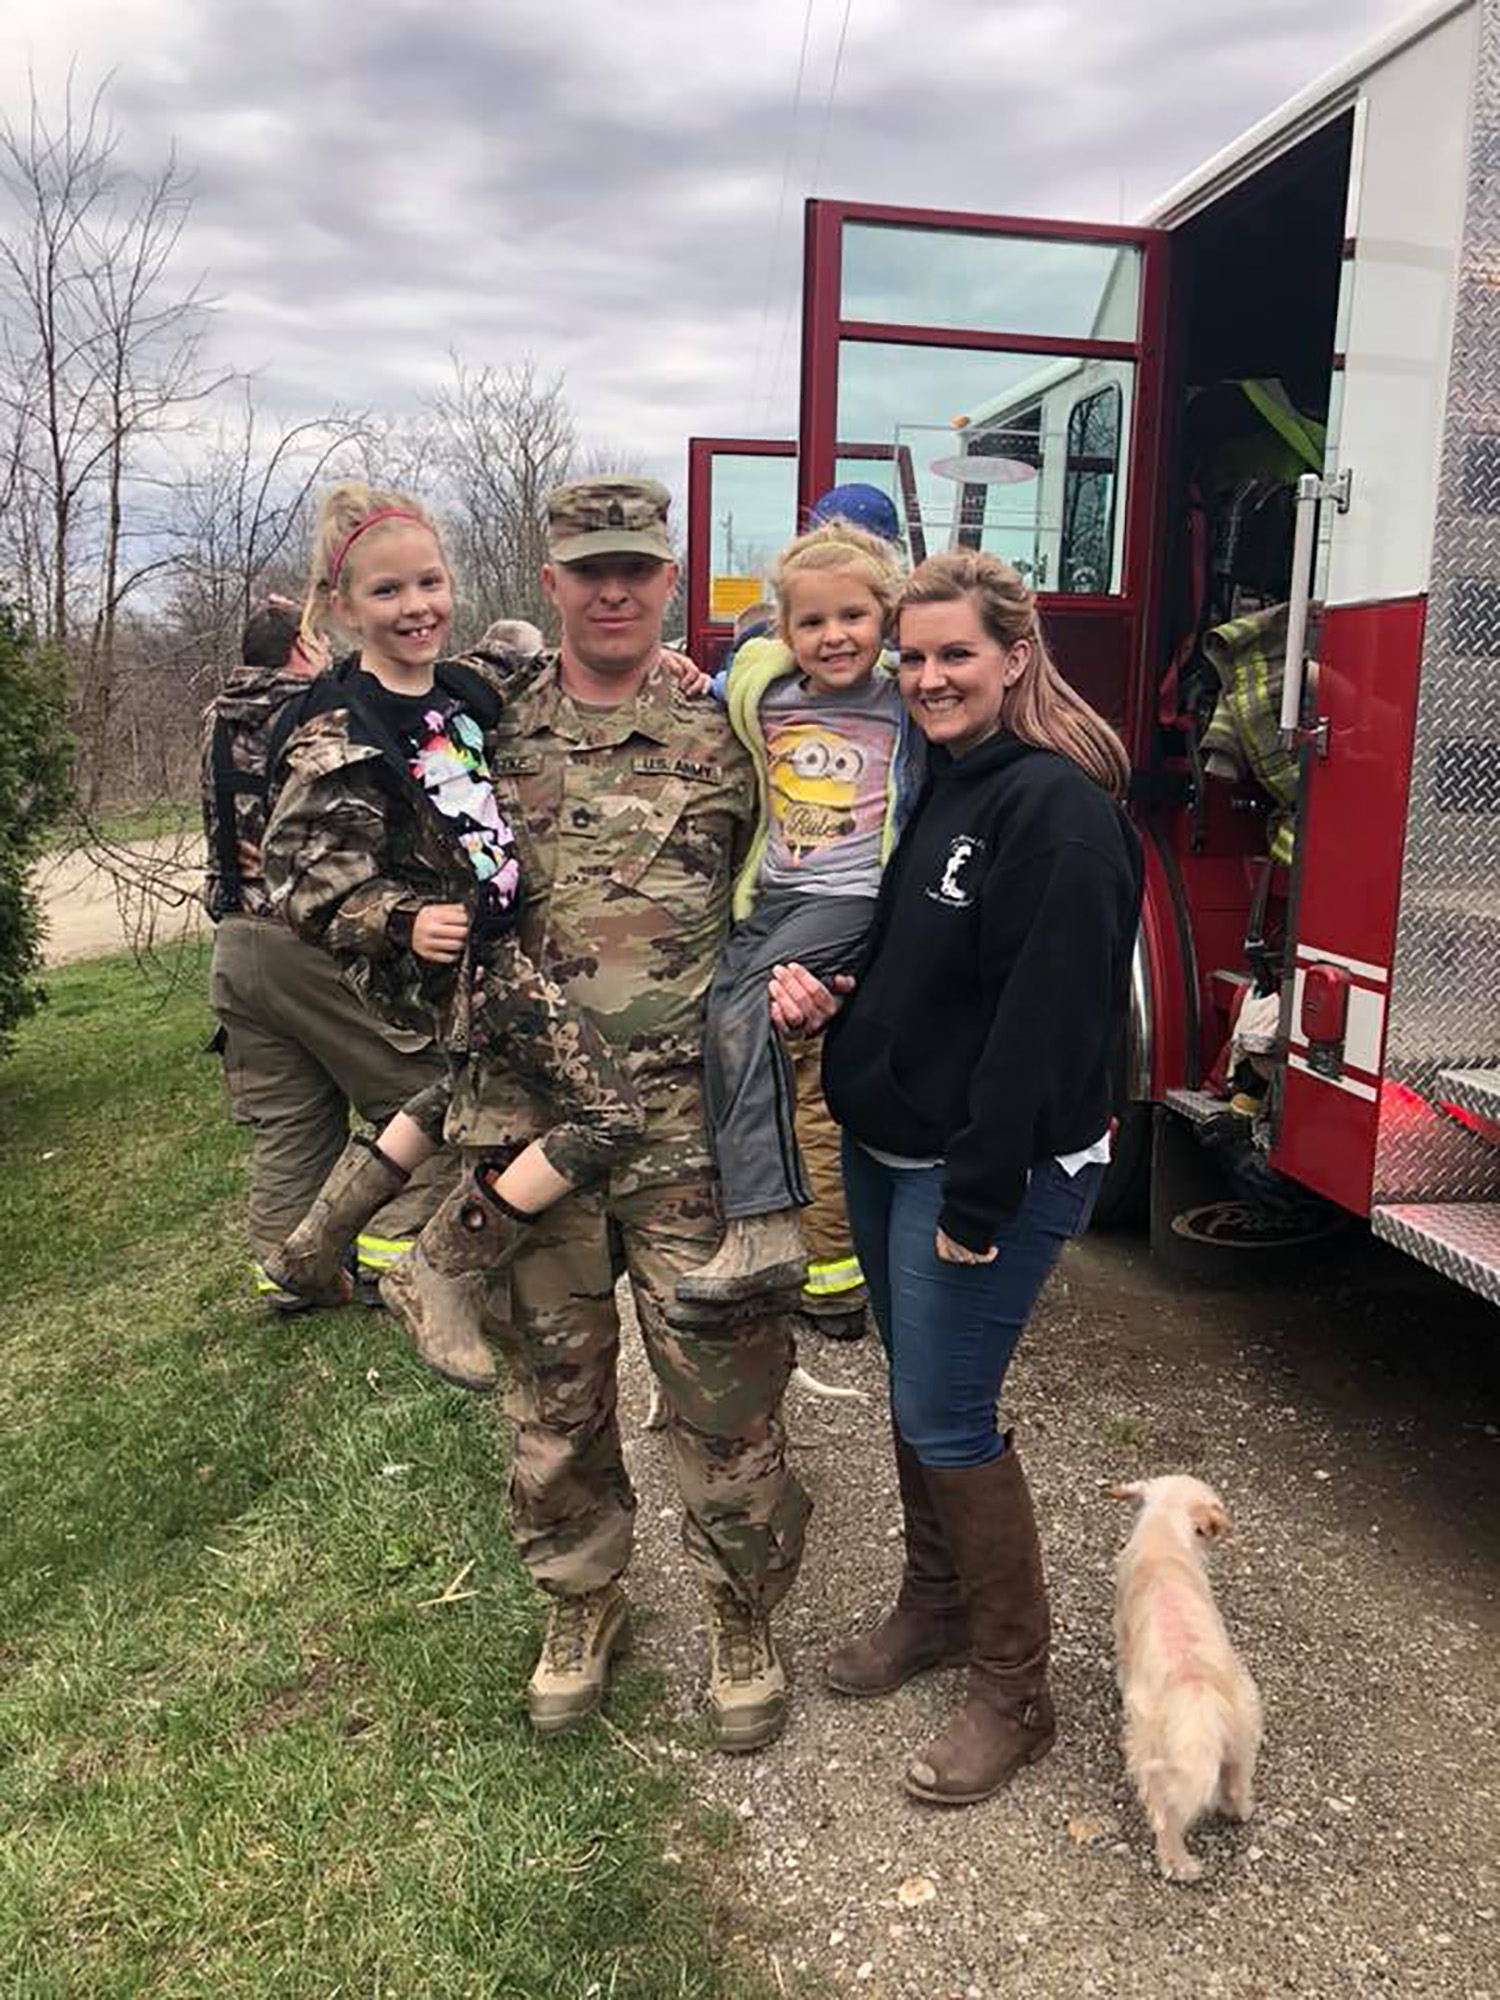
x=1461, y=1240
x=1445, y=990
x=1476, y=1091
x=1196, y=1105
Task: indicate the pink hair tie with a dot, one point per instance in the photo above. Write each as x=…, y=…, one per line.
x=370, y=521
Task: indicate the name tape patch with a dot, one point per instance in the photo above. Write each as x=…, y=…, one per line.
x=677, y=767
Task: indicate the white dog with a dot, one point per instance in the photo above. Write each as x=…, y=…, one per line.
x=1192, y=1712
x=656, y=1415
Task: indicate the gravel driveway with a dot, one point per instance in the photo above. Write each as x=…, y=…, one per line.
x=1351, y=1418
x=110, y=897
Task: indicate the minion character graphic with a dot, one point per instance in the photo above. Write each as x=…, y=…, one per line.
x=814, y=782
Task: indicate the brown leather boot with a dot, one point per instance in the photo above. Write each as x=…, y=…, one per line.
x=928, y=1625
x=311, y=1261
x=437, y=1290
x=1007, y=1721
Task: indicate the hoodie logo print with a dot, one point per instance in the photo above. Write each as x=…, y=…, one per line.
x=950, y=889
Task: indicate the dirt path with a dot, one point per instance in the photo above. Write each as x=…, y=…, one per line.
x=1350, y=1415
x=105, y=902
x=1352, y=1421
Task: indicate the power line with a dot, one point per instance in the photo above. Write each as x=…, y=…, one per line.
x=786, y=173
x=833, y=85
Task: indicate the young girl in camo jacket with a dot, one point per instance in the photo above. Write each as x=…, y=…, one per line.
x=386, y=846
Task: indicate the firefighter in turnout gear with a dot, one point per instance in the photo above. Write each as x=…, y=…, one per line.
x=298, y=1047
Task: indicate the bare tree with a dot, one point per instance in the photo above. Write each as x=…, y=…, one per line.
x=501, y=439
x=102, y=358
x=242, y=517
x=23, y=534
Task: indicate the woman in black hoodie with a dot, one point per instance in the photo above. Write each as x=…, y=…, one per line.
x=970, y=1069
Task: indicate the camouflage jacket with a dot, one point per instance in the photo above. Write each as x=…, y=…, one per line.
x=234, y=736
x=630, y=823
x=354, y=849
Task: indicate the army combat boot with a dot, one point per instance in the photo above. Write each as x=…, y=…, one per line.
x=437, y=1291
x=746, y=1681
x=759, y=1254
x=311, y=1263
x=583, y=1635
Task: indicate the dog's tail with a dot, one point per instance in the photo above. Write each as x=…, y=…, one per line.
x=830, y=1391
x=1194, y=1735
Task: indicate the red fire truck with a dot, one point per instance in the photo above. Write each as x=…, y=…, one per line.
x=1248, y=453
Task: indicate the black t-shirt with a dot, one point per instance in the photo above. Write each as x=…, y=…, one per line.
x=443, y=748
x=404, y=715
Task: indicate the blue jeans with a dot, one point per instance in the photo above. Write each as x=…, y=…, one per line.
x=949, y=1330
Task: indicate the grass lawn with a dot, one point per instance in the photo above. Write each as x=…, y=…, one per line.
x=118, y=827
x=242, y=1750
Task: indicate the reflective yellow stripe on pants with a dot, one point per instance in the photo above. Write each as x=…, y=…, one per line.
x=826, y=1281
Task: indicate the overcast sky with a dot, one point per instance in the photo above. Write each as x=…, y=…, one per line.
x=599, y=185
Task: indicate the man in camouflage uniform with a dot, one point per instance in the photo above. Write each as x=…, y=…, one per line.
x=632, y=806
x=298, y=1047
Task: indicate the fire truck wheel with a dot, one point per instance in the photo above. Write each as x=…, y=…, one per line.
x=1124, y=1200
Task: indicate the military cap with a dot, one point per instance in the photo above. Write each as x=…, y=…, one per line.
x=608, y=517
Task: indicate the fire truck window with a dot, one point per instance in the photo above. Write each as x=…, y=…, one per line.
x=1087, y=559
x=896, y=274
x=988, y=456
x=873, y=467
x=752, y=512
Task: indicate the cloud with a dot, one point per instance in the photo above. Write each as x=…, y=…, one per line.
x=598, y=187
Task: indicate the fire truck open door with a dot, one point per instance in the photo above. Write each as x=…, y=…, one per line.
x=1011, y=369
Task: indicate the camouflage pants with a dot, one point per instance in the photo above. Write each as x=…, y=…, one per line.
x=572, y=1507
x=522, y=1022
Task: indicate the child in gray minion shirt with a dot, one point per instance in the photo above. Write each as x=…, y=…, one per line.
x=837, y=765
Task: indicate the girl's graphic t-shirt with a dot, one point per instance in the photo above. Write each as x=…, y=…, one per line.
x=829, y=779
x=444, y=749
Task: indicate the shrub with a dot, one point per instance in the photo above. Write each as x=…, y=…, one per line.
x=35, y=755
